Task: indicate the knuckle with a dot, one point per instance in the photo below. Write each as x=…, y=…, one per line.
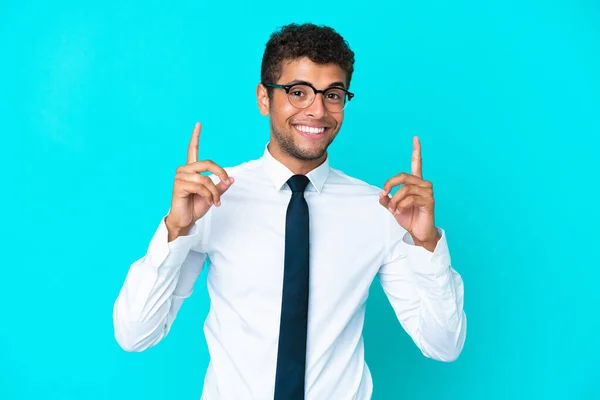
x=197, y=178
x=177, y=182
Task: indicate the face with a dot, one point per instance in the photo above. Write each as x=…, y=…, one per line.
x=302, y=134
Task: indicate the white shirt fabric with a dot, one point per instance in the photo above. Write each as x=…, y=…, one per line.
x=353, y=239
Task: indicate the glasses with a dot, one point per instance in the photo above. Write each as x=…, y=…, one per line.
x=302, y=95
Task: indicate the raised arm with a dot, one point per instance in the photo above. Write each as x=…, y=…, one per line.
x=157, y=284
x=426, y=293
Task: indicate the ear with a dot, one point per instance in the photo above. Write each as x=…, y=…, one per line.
x=263, y=99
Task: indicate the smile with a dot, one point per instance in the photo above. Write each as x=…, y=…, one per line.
x=310, y=129
x=311, y=132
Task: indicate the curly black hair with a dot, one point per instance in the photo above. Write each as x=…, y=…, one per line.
x=321, y=44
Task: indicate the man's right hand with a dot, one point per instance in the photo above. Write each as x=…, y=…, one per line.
x=193, y=193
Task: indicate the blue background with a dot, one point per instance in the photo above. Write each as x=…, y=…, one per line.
x=98, y=103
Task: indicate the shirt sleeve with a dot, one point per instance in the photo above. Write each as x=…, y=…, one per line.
x=156, y=286
x=426, y=293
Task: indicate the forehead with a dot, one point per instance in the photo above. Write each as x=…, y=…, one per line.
x=304, y=69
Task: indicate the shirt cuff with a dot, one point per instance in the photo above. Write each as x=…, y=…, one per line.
x=424, y=261
x=165, y=253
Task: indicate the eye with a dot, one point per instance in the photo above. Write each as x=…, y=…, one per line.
x=335, y=95
x=298, y=91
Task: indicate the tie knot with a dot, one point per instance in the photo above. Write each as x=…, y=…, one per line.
x=298, y=183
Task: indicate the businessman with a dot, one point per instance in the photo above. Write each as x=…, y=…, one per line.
x=293, y=246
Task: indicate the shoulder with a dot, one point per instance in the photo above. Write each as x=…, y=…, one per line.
x=360, y=192
x=362, y=195
x=347, y=182
x=236, y=171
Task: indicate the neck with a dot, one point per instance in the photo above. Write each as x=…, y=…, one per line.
x=297, y=166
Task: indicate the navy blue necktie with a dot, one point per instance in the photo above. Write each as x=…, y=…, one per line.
x=291, y=356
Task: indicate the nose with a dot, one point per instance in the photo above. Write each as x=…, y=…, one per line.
x=317, y=108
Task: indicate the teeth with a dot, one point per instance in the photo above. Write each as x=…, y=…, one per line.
x=308, y=129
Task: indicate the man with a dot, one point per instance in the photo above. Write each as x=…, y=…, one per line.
x=293, y=247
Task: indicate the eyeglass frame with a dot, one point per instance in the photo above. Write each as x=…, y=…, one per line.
x=287, y=89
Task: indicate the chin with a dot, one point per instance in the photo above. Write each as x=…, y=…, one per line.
x=301, y=147
x=310, y=151
x=309, y=155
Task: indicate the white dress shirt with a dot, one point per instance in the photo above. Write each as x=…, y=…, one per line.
x=352, y=240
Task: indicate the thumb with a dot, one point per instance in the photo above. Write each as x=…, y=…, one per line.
x=224, y=185
x=384, y=199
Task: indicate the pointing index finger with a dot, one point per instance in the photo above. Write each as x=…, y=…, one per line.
x=417, y=162
x=194, y=146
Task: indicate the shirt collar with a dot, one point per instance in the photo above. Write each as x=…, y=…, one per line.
x=279, y=173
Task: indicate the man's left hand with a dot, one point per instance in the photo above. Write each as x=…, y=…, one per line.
x=413, y=205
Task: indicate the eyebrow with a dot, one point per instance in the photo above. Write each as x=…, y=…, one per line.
x=334, y=84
